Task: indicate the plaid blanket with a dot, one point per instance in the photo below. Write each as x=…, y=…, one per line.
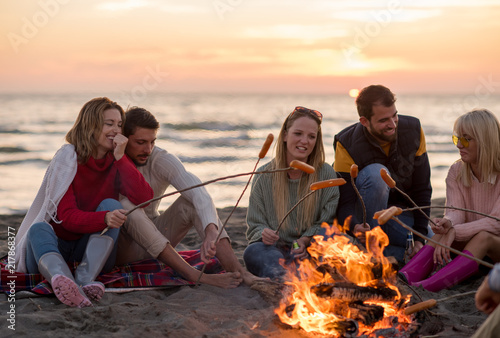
x=145, y=273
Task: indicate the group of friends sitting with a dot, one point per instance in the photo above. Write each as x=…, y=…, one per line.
x=111, y=164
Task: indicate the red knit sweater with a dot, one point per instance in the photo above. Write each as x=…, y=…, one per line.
x=95, y=181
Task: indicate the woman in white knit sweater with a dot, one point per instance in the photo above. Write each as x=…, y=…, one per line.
x=273, y=195
x=473, y=183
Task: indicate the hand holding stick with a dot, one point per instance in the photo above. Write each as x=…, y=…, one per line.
x=385, y=215
x=262, y=154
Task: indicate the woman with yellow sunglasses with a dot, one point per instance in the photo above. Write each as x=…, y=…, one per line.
x=473, y=183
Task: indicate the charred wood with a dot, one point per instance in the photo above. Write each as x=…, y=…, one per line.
x=351, y=292
x=367, y=314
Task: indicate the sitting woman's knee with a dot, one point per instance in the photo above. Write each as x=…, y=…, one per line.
x=484, y=238
x=109, y=204
x=38, y=228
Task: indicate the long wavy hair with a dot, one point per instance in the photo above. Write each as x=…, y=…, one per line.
x=84, y=134
x=280, y=179
x=484, y=128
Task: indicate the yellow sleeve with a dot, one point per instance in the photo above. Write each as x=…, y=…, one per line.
x=343, y=161
x=422, y=149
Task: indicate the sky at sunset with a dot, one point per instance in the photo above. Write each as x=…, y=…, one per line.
x=323, y=46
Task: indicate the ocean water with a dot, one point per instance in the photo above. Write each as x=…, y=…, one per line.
x=215, y=135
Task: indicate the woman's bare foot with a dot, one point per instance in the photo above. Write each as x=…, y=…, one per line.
x=228, y=280
x=249, y=278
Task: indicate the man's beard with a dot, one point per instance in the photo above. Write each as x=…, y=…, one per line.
x=383, y=137
x=141, y=164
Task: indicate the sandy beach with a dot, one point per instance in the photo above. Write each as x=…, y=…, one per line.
x=205, y=311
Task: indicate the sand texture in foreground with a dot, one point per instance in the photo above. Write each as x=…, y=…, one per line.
x=203, y=311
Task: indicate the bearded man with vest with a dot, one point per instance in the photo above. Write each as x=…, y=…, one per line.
x=383, y=139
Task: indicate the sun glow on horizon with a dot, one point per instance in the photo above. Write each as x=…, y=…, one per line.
x=354, y=92
x=336, y=46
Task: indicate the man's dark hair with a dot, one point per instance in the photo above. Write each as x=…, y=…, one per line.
x=373, y=95
x=138, y=117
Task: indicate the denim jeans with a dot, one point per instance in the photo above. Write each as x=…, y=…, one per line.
x=41, y=239
x=375, y=194
x=263, y=260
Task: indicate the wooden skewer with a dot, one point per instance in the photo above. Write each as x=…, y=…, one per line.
x=262, y=154
x=383, y=216
x=454, y=208
x=392, y=184
x=477, y=260
x=432, y=302
x=202, y=184
x=313, y=187
x=354, y=174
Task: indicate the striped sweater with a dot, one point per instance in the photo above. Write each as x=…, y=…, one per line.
x=261, y=213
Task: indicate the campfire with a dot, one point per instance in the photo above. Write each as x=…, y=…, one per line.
x=345, y=290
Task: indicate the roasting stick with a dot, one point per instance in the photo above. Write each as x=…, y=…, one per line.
x=432, y=302
x=454, y=208
x=392, y=184
x=384, y=215
x=307, y=169
x=197, y=186
x=354, y=174
x=262, y=154
x=313, y=187
x=208, y=182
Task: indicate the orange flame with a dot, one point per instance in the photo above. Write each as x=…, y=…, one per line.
x=303, y=308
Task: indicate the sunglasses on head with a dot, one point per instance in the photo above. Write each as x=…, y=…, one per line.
x=463, y=140
x=301, y=109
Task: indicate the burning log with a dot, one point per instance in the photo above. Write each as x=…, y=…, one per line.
x=337, y=276
x=337, y=269
x=346, y=327
x=332, y=271
x=350, y=292
x=341, y=284
x=388, y=332
x=367, y=314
